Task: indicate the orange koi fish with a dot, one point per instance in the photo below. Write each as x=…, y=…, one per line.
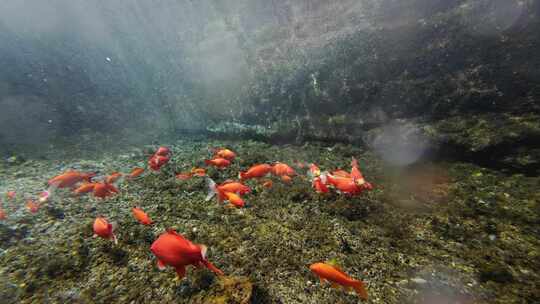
x=136, y=172
x=183, y=176
x=2, y=214
x=104, y=229
x=256, y=171
x=174, y=250
x=32, y=206
x=198, y=172
x=286, y=179
x=84, y=188
x=344, y=184
x=225, y=153
x=69, y=179
x=336, y=276
x=113, y=177
x=268, y=184
x=11, y=194
x=281, y=169
x=103, y=190
x=227, y=186
x=141, y=216
x=219, y=162
x=234, y=199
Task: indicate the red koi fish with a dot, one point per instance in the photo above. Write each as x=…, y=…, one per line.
x=256, y=171
x=104, y=229
x=141, y=216
x=157, y=161
x=343, y=184
x=336, y=277
x=174, y=250
x=319, y=184
x=163, y=151
x=3, y=215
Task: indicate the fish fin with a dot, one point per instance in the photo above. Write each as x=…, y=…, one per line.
x=334, y=285
x=360, y=289
x=212, y=190
x=160, y=265
x=324, y=177
x=180, y=271
x=322, y=280
x=204, y=250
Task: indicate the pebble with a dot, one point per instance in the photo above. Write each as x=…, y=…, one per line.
x=418, y=281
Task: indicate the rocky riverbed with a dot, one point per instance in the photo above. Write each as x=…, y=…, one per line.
x=449, y=232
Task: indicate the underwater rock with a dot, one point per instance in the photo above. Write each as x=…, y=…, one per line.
x=227, y=289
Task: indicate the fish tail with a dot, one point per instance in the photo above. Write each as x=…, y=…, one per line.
x=212, y=267
x=207, y=162
x=242, y=175
x=212, y=190
x=360, y=289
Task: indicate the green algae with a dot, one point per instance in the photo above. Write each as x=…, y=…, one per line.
x=470, y=234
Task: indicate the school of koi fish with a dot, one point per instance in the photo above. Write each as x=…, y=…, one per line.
x=174, y=250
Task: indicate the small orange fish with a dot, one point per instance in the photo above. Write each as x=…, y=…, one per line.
x=70, y=179
x=286, y=179
x=225, y=153
x=218, y=162
x=103, y=229
x=234, y=199
x=336, y=276
x=198, y=172
x=84, y=188
x=32, y=206
x=268, y=184
x=183, y=176
x=102, y=190
x=255, y=171
x=11, y=194
x=136, y=172
x=141, y=216
x=281, y=169
x=113, y=177
x=2, y=214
